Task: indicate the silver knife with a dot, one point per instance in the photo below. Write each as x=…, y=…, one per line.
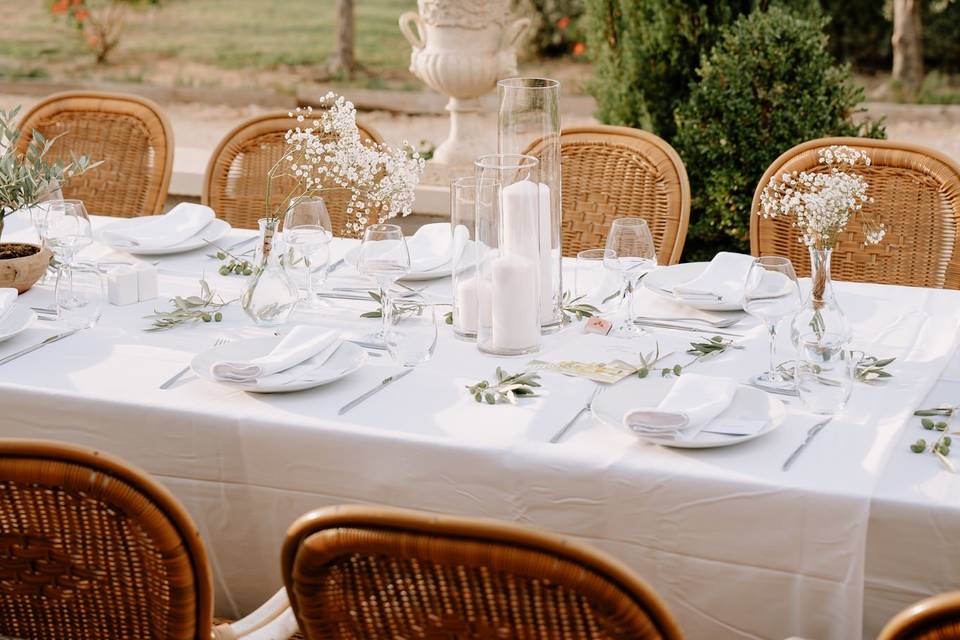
x=50, y=340
x=813, y=431
x=335, y=266
x=383, y=383
x=710, y=330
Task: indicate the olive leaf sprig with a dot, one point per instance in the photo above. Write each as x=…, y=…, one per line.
x=401, y=308
x=941, y=446
x=574, y=309
x=868, y=369
x=701, y=350
x=202, y=308
x=233, y=264
x=508, y=387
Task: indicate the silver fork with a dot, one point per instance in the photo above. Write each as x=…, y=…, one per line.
x=166, y=385
x=586, y=407
x=719, y=324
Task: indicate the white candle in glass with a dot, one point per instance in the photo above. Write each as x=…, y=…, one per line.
x=515, y=312
x=468, y=304
x=524, y=204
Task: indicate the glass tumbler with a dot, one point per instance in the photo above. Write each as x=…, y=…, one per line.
x=824, y=372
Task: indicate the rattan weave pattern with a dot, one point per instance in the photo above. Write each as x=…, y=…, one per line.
x=235, y=182
x=132, y=137
x=353, y=573
x=916, y=194
x=610, y=172
x=92, y=549
x=935, y=618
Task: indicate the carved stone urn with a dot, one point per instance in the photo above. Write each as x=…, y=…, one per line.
x=461, y=48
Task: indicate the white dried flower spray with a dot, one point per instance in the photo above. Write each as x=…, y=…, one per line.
x=329, y=154
x=823, y=202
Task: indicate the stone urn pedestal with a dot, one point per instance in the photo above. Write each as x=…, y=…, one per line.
x=460, y=49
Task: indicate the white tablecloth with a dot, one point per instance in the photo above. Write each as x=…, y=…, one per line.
x=857, y=529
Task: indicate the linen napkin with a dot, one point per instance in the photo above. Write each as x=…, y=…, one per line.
x=301, y=344
x=158, y=232
x=7, y=297
x=690, y=405
x=434, y=245
x=724, y=277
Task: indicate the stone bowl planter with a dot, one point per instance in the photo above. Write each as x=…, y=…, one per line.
x=22, y=264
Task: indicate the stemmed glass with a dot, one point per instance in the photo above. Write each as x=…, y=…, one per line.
x=631, y=254
x=384, y=256
x=38, y=216
x=307, y=232
x=68, y=232
x=771, y=293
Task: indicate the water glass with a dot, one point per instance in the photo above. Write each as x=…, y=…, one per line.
x=411, y=334
x=771, y=293
x=824, y=372
x=632, y=255
x=384, y=257
x=68, y=229
x=81, y=292
x=307, y=233
x=591, y=280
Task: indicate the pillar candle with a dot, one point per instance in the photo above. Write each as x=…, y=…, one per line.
x=524, y=204
x=467, y=301
x=515, y=312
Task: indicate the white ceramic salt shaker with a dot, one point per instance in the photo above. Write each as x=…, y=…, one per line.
x=146, y=280
x=122, y=286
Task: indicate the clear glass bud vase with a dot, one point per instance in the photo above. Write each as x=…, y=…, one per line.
x=271, y=293
x=820, y=318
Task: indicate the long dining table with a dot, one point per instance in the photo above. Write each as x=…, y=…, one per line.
x=857, y=529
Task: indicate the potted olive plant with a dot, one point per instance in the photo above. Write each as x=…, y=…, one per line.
x=27, y=179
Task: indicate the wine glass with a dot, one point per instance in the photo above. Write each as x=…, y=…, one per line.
x=631, y=254
x=385, y=258
x=68, y=232
x=38, y=216
x=771, y=293
x=307, y=232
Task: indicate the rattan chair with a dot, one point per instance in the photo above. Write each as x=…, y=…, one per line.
x=610, y=172
x=916, y=194
x=132, y=137
x=235, y=182
x=356, y=572
x=94, y=549
x=936, y=618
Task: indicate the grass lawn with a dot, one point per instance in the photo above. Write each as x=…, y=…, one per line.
x=272, y=43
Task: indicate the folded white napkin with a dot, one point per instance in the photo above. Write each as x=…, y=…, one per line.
x=301, y=344
x=158, y=232
x=434, y=245
x=724, y=278
x=690, y=405
x=7, y=297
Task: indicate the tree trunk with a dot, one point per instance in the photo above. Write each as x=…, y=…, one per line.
x=907, y=45
x=343, y=60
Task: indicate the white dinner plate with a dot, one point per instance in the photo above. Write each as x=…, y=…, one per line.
x=16, y=320
x=215, y=230
x=662, y=280
x=352, y=257
x=347, y=359
x=748, y=404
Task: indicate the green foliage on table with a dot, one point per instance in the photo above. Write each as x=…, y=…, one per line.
x=573, y=308
x=508, y=387
x=769, y=84
x=232, y=264
x=27, y=178
x=941, y=446
x=203, y=308
x=699, y=349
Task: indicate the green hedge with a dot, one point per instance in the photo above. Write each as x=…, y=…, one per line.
x=769, y=84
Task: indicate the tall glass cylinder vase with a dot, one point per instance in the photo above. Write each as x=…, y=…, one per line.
x=463, y=217
x=529, y=123
x=507, y=227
